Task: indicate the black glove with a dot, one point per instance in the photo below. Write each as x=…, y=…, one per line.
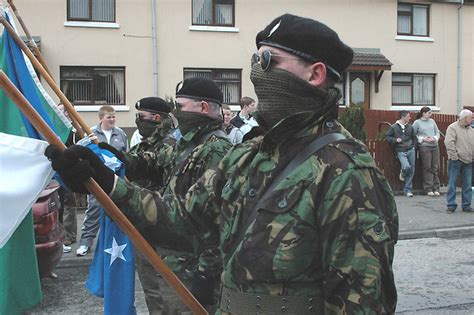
x=76, y=164
x=203, y=289
x=119, y=154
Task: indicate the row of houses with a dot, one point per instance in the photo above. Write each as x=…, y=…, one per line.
x=408, y=54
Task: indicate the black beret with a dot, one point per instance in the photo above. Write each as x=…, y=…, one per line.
x=200, y=89
x=154, y=105
x=309, y=39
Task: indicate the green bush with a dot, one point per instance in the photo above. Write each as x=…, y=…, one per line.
x=354, y=121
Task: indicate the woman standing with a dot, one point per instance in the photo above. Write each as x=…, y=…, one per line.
x=427, y=133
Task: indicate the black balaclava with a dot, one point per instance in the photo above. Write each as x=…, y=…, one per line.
x=146, y=127
x=188, y=121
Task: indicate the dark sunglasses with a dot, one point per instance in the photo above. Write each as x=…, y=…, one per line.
x=266, y=57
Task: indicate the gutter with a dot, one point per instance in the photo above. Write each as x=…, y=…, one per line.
x=459, y=66
x=155, y=48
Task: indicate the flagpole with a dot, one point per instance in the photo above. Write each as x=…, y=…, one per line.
x=112, y=210
x=77, y=121
x=30, y=38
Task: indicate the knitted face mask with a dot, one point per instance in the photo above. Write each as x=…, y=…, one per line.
x=187, y=121
x=146, y=127
x=282, y=94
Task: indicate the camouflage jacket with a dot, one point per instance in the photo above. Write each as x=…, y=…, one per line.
x=142, y=168
x=328, y=232
x=197, y=151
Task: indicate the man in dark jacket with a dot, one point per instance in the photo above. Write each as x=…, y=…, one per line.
x=403, y=139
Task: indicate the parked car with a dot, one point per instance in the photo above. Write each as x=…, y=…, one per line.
x=49, y=234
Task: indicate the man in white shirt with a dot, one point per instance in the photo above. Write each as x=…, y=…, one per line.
x=105, y=131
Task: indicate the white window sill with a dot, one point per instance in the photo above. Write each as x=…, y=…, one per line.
x=412, y=108
x=203, y=28
x=415, y=38
x=95, y=108
x=91, y=24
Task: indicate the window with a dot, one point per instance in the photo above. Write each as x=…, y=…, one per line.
x=413, y=19
x=228, y=80
x=91, y=10
x=93, y=85
x=213, y=12
x=413, y=89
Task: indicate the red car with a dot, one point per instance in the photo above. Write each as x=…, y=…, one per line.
x=49, y=234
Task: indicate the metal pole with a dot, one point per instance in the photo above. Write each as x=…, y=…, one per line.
x=155, y=48
x=459, y=65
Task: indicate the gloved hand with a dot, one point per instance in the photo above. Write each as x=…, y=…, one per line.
x=119, y=154
x=76, y=164
x=203, y=289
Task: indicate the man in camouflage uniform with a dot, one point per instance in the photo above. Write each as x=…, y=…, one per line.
x=202, y=146
x=322, y=240
x=155, y=125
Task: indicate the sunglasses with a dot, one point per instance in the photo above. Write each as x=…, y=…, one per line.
x=266, y=57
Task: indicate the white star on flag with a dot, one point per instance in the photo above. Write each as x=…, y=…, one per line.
x=115, y=251
x=111, y=162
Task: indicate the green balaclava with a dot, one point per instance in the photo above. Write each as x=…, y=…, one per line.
x=188, y=121
x=282, y=94
x=146, y=127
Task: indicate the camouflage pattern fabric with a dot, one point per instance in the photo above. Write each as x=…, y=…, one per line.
x=185, y=164
x=141, y=158
x=328, y=231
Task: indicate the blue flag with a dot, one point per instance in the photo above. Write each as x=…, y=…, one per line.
x=112, y=272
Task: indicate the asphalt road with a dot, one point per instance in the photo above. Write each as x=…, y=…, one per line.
x=434, y=276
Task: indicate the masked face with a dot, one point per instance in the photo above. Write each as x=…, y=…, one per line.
x=146, y=127
x=282, y=94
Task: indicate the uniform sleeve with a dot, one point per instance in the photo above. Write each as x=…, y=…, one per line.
x=359, y=228
x=182, y=217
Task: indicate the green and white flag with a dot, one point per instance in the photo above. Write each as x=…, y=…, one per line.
x=24, y=173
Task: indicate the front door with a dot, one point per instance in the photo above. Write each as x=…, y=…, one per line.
x=360, y=89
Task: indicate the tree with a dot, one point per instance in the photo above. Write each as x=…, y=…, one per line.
x=354, y=121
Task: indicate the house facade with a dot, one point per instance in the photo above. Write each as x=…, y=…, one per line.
x=408, y=54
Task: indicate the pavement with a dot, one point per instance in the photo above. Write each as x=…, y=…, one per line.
x=420, y=216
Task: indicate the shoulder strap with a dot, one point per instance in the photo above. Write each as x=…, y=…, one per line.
x=310, y=150
x=218, y=133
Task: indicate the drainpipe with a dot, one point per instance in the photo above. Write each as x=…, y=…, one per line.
x=155, y=48
x=459, y=68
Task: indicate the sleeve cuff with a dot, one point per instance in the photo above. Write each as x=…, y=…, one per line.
x=120, y=189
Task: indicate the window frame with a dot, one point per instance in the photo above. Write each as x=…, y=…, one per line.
x=93, y=95
x=214, y=72
x=402, y=83
x=411, y=18
x=214, y=2
x=90, y=14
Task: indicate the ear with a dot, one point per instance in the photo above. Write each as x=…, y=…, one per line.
x=156, y=117
x=317, y=74
x=204, y=107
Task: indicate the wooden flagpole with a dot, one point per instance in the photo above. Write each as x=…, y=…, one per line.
x=112, y=210
x=77, y=120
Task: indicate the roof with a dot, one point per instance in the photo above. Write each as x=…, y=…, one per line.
x=369, y=59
